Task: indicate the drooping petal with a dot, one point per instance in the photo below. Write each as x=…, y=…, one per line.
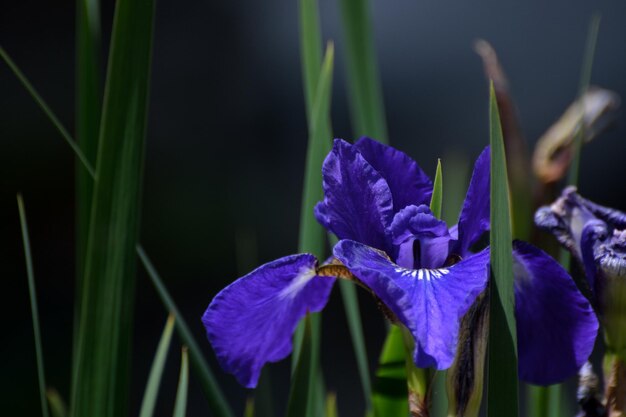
x=474, y=217
x=251, y=322
x=429, y=302
x=413, y=224
x=408, y=183
x=357, y=201
x=556, y=325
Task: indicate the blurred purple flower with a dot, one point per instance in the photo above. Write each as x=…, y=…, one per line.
x=596, y=236
x=375, y=201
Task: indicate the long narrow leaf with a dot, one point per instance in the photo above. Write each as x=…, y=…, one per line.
x=437, y=196
x=88, y=112
x=353, y=317
x=366, y=99
x=32, y=292
x=57, y=405
x=311, y=52
x=390, y=395
x=180, y=407
x=585, y=79
x=156, y=372
x=502, y=389
x=217, y=403
x=312, y=235
x=299, y=404
x=48, y=112
x=101, y=368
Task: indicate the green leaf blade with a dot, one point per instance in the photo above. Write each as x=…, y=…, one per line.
x=502, y=382
x=437, y=196
x=32, y=292
x=217, y=403
x=390, y=395
x=365, y=92
x=100, y=383
x=299, y=403
x=180, y=406
x=156, y=371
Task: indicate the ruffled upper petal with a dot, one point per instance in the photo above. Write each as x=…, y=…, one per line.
x=429, y=302
x=252, y=321
x=556, y=325
x=357, y=201
x=408, y=183
x=416, y=225
x=474, y=217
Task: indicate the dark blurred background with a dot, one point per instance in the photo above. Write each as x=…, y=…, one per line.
x=225, y=152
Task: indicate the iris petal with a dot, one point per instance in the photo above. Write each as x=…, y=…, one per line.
x=409, y=185
x=412, y=224
x=474, y=218
x=429, y=302
x=357, y=201
x=252, y=321
x=556, y=325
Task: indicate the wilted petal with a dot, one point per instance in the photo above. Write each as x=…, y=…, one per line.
x=474, y=218
x=556, y=325
x=409, y=185
x=252, y=321
x=429, y=302
x=357, y=201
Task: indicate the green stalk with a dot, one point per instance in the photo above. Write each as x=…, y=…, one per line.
x=32, y=292
x=100, y=381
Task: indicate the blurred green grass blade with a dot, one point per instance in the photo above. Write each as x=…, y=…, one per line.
x=312, y=236
x=366, y=99
x=585, y=79
x=180, y=407
x=457, y=171
x=156, y=372
x=299, y=403
x=87, y=111
x=439, y=397
x=48, y=112
x=249, y=410
x=502, y=397
x=331, y=405
x=546, y=401
x=310, y=51
x=263, y=403
x=217, y=403
x=437, y=196
x=32, y=292
x=57, y=405
x=100, y=383
x=390, y=395
x=353, y=316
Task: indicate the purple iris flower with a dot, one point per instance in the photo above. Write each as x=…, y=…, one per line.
x=596, y=236
x=375, y=201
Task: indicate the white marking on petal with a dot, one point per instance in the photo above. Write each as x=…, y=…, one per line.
x=422, y=274
x=305, y=274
